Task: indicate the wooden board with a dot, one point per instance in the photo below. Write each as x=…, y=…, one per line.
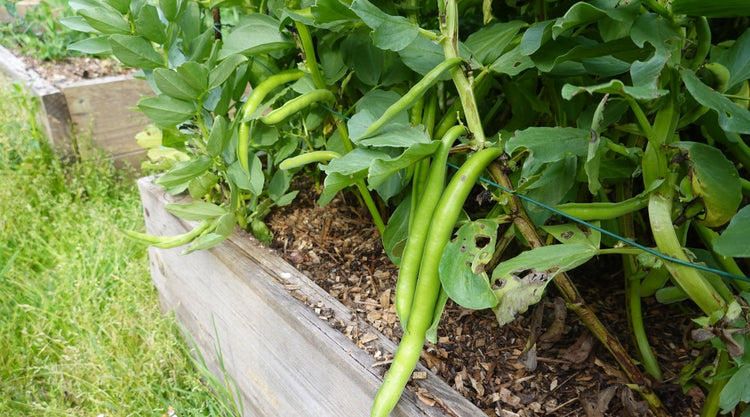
x=102, y=109
x=285, y=360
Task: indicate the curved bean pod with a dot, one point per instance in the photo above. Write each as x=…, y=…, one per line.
x=253, y=101
x=308, y=158
x=296, y=105
x=412, y=255
x=414, y=94
x=428, y=285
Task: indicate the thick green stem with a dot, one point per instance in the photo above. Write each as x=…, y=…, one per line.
x=463, y=86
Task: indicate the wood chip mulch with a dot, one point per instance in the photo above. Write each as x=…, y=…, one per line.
x=566, y=373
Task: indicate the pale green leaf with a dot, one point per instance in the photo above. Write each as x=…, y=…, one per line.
x=195, y=210
x=734, y=240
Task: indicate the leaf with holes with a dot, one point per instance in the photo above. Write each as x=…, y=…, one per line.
x=462, y=265
x=521, y=280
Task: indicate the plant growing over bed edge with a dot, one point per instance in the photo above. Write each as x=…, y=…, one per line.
x=610, y=127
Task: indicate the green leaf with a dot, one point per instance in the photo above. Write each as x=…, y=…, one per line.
x=173, y=84
x=574, y=233
x=358, y=52
x=536, y=36
x=219, y=137
x=422, y=55
x=336, y=182
x=615, y=87
x=148, y=24
x=167, y=111
x=121, y=6
x=195, y=210
x=737, y=60
x=389, y=32
x=512, y=62
x=257, y=177
x=370, y=108
x=664, y=37
x=712, y=9
x=257, y=34
x=488, y=43
x=184, y=171
x=201, y=186
x=734, y=239
x=732, y=117
x=462, y=265
x=135, y=51
x=333, y=14
x=207, y=241
x=522, y=279
x=383, y=168
x=169, y=8
x=548, y=144
x=77, y=23
x=595, y=11
x=98, y=45
x=715, y=180
x=736, y=390
x=105, y=20
x=224, y=70
x=397, y=231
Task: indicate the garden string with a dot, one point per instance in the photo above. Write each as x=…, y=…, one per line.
x=573, y=218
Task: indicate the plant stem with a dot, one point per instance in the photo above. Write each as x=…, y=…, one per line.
x=707, y=236
x=711, y=405
x=463, y=86
x=573, y=298
x=312, y=66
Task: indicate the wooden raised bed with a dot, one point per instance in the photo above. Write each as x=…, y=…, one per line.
x=99, y=110
x=265, y=317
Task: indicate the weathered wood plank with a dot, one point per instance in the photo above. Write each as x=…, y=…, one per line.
x=102, y=109
x=284, y=358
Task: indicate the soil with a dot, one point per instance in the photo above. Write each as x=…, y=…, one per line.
x=565, y=373
x=73, y=69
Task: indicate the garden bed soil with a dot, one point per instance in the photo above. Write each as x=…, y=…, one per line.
x=567, y=374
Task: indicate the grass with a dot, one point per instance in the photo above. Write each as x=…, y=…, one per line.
x=81, y=329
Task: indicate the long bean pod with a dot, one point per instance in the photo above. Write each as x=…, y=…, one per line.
x=414, y=94
x=428, y=284
x=296, y=105
x=251, y=105
x=412, y=255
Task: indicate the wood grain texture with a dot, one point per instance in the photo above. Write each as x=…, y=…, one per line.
x=285, y=360
x=102, y=109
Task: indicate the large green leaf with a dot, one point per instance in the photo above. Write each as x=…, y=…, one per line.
x=734, y=239
x=174, y=84
x=257, y=34
x=148, y=24
x=594, y=11
x=195, y=210
x=77, y=23
x=488, y=43
x=713, y=9
x=737, y=60
x=135, y=51
x=663, y=36
x=715, y=180
x=370, y=108
x=548, y=144
x=736, y=390
x=333, y=15
x=383, y=168
x=615, y=87
x=106, y=20
x=512, y=62
x=389, y=32
x=224, y=69
x=98, y=45
x=462, y=265
x=522, y=280
x=732, y=117
x=167, y=111
x=184, y=171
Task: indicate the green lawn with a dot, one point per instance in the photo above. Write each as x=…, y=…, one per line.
x=80, y=326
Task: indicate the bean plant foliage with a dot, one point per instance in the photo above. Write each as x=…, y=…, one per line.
x=577, y=129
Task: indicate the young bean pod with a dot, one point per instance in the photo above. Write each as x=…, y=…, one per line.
x=296, y=105
x=414, y=94
x=428, y=285
x=251, y=105
x=412, y=255
x=308, y=158
x=168, y=242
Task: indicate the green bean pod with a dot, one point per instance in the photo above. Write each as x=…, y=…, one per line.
x=251, y=105
x=308, y=158
x=428, y=285
x=167, y=242
x=411, y=96
x=412, y=255
x=604, y=210
x=297, y=104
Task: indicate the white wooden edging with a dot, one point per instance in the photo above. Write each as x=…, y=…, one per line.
x=285, y=360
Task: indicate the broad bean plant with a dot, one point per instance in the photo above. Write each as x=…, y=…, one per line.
x=571, y=130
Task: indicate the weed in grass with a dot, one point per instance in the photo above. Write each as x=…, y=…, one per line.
x=79, y=319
